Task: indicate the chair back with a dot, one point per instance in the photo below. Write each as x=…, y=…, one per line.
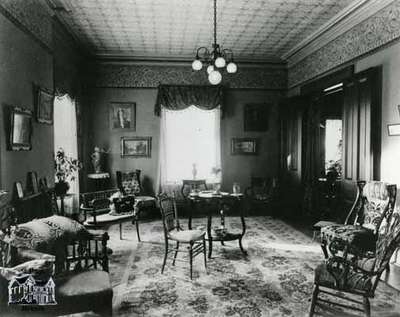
x=168, y=213
x=129, y=183
x=376, y=203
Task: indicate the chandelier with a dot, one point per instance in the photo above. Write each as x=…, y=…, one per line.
x=216, y=59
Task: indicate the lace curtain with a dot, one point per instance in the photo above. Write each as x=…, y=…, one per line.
x=65, y=136
x=189, y=143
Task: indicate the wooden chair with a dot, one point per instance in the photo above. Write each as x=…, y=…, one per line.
x=359, y=274
x=374, y=203
x=195, y=239
x=189, y=185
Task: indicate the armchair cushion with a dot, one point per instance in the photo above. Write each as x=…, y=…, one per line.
x=43, y=234
x=352, y=281
x=361, y=238
x=42, y=268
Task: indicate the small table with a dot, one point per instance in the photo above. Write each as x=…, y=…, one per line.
x=100, y=180
x=219, y=202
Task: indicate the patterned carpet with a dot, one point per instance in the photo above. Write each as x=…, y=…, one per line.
x=275, y=279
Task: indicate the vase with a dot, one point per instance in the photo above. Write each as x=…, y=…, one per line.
x=61, y=188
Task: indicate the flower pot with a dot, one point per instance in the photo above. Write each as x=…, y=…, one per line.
x=61, y=188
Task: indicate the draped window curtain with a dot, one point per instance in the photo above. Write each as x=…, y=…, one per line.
x=189, y=134
x=65, y=136
x=312, y=167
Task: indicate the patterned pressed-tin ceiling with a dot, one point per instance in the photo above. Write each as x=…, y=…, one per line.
x=258, y=30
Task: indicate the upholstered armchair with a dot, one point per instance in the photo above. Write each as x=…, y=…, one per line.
x=261, y=194
x=373, y=206
x=63, y=249
x=130, y=184
x=356, y=274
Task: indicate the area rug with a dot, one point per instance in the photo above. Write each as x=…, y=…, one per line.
x=275, y=279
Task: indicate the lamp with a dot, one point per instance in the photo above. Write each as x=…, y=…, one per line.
x=216, y=59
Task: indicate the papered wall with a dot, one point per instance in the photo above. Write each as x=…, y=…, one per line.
x=389, y=59
x=23, y=63
x=372, y=33
x=235, y=168
x=32, y=51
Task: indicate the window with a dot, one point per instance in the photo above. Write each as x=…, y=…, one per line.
x=333, y=146
x=190, y=143
x=65, y=132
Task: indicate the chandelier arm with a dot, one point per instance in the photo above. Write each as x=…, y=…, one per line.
x=206, y=52
x=226, y=52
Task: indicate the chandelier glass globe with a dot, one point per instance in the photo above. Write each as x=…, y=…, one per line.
x=210, y=69
x=215, y=77
x=231, y=68
x=220, y=62
x=197, y=64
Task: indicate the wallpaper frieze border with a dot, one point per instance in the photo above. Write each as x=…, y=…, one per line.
x=151, y=76
x=374, y=32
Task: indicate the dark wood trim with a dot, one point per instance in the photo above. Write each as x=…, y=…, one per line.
x=318, y=85
x=24, y=29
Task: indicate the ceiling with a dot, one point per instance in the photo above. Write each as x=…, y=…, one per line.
x=256, y=30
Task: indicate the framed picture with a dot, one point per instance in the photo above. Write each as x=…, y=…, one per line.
x=44, y=106
x=393, y=129
x=136, y=147
x=123, y=116
x=256, y=117
x=19, y=190
x=244, y=146
x=21, y=129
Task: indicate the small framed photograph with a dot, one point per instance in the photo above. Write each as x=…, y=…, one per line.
x=393, y=129
x=44, y=106
x=136, y=147
x=244, y=146
x=21, y=129
x=123, y=116
x=256, y=117
x=19, y=190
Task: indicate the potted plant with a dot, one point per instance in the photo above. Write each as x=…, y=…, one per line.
x=65, y=170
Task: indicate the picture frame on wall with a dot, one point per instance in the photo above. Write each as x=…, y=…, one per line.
x=136, y=147
x=244, y=146
x=256, y=117
x=44, y=106
x=393, y=129
x=123, y=116
x=21, y=129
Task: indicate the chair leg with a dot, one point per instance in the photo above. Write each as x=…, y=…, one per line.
x=324, y=250
x=367, y=307
x=204, y=252
x=241, y=246
x=165, y=256
x=176, y=252
x=120, y=230
x=314, y=300
x=209, y=248
x=191, y=259
x=222, y=242
x=137, y=228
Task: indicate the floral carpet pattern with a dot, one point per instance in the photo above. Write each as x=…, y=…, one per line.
x=274, y=279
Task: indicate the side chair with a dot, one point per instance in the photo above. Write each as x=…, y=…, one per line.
x=358, y=274
x=193, y=239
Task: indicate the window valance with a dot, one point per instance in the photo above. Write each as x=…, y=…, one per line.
x=175, y=97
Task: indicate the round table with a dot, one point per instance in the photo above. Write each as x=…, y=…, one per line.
x=218, y=202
